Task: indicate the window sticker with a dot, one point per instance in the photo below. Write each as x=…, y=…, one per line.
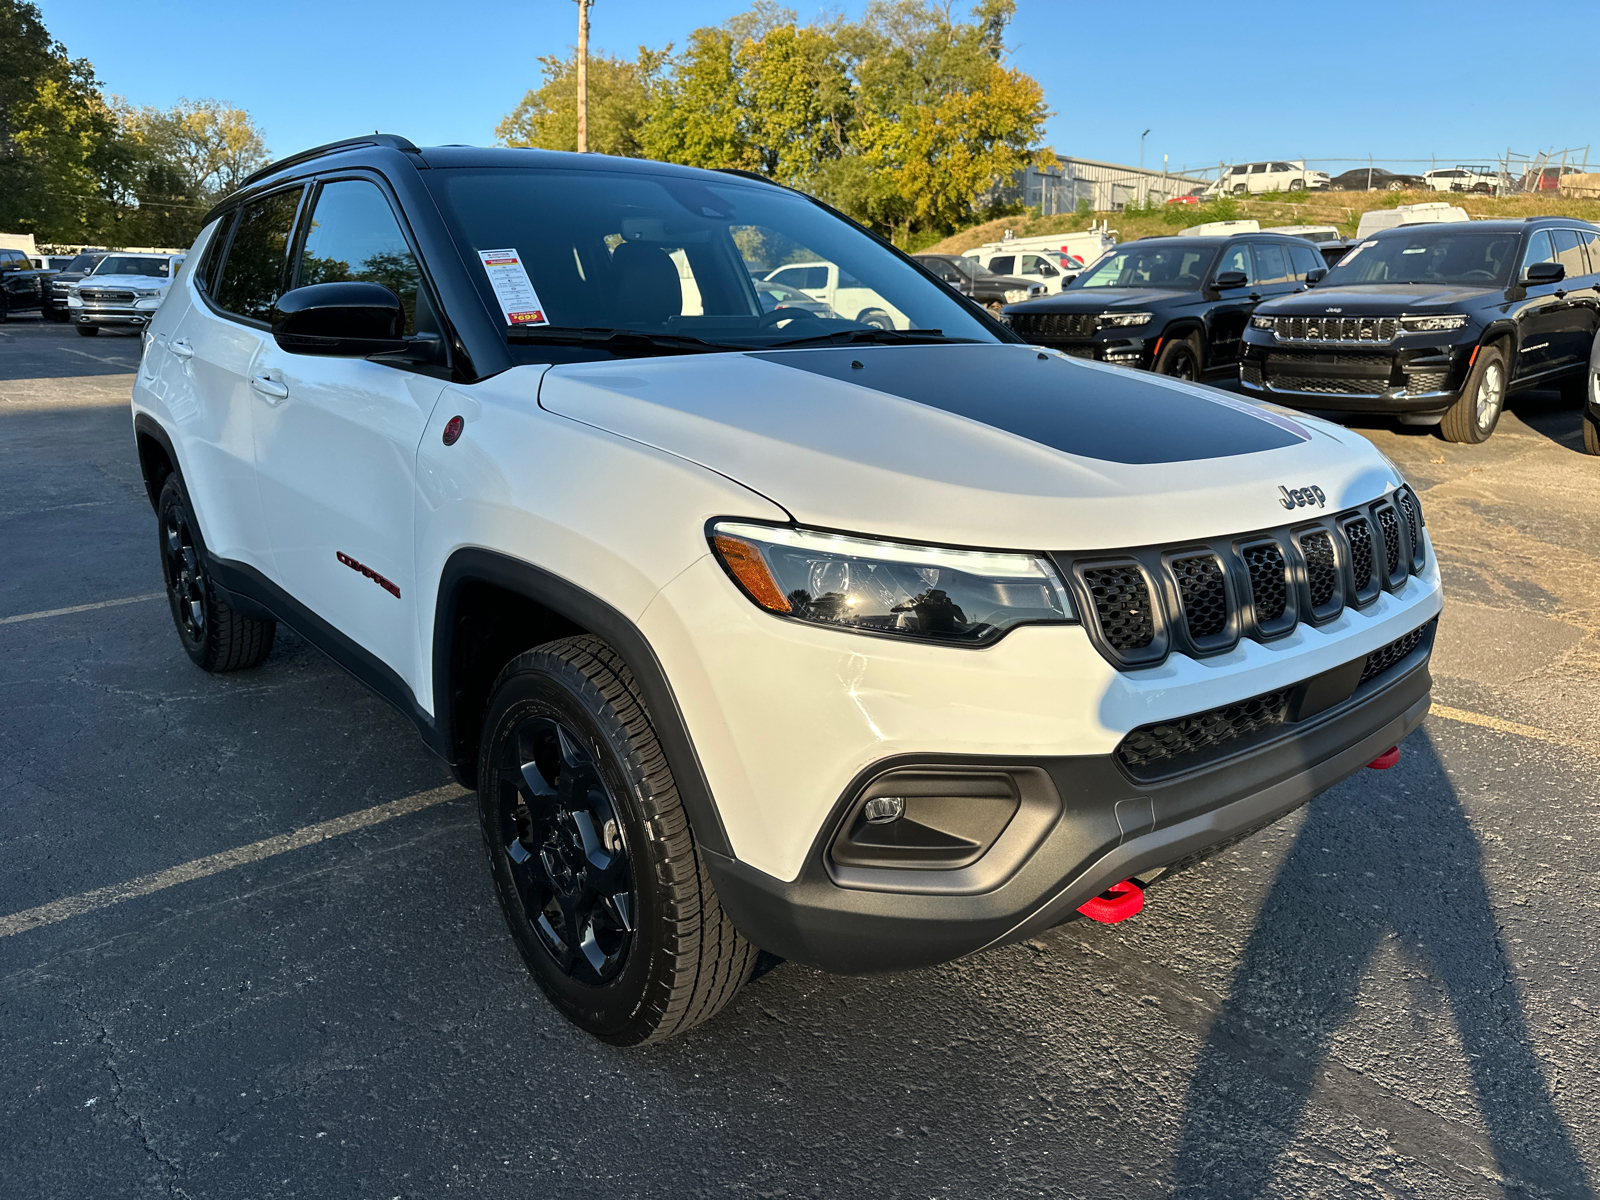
x=512, y=287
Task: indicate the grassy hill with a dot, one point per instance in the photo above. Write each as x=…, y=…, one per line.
x=1342, y=209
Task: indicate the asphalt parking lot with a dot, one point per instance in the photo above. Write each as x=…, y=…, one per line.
x=1390, y=994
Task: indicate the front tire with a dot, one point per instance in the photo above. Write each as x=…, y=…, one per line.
x=215, y=635
x=1591, y=434
x=1179, y=358
x=597, y=870
x=88, y=330
x=1472, y=418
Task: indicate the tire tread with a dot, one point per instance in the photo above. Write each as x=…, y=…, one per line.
x=711, y=959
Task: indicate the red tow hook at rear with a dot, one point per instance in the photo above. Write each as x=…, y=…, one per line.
x=1117, y=903
x=1385, y=760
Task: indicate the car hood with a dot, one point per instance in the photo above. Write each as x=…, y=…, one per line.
x=1376, y=299
x=124, y=281
x=980, y=445
x=1081, y=300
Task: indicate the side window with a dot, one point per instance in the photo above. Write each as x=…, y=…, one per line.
x=817, y=279
x=1304, y=260
x=1569, y=253
x=1538, y=250
x=1003, y=264
x=1272, y=264
x=1282, y=167
x=1236, y=258
x=251, y=278
x=206, y=276
x=1239, y=170
x=1259, y=168
x=353, y=237
x=1591, y=243
x=790, y=277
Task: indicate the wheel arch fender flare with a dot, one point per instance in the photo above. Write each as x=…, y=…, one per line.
x=1181, y=329
x=154, y=445
x=580, y=608
x=1503, y=330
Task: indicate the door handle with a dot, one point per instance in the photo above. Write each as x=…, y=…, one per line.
x=270, y=388
x=181, y=349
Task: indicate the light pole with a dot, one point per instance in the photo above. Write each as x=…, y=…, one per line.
x=1142, y=137
x=583, y=76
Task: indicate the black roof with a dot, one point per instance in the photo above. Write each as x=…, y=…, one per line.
x=1492, y=225
x=1219, y=239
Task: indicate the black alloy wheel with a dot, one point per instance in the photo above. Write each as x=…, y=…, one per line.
x=596, y=866
x=214, y=634
x=566, y=849
x=1179, y=360
x=185, y=581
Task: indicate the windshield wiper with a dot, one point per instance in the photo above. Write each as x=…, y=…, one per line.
x=617, y=341
x=882, y=336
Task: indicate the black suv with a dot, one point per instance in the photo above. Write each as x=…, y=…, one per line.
x=22, y=285
x=1177, y=305
x=1436, y=324
x=971, y=278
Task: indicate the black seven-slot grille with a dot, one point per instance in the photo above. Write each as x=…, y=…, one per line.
x=1167, y=747
x=1201, y=598
x=1054, y=325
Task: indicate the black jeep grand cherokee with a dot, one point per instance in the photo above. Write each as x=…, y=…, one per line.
x=1177, y=305
x=1436, y=324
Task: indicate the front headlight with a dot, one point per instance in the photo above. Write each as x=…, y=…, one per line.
x=1016, y=295
x=1439, y=324
x=1263, y=322
x=1114, y=320
x=74, y=300
x=148, y=303
x=963, y=597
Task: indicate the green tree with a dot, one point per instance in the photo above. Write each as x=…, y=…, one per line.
x=58, y=137
x=620, y=96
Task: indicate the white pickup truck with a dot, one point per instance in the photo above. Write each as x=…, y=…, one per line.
x=843, y=293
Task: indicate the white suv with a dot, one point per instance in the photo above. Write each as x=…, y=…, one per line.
x=870, y=648
x=1255, y=178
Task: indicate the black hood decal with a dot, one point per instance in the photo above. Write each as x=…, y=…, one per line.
x=1114, y=415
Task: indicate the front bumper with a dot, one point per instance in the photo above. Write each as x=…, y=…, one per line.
x=122, y=315
x=1107, y=827
x=1422, y=375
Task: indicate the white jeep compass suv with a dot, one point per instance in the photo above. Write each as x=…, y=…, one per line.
x=866, y=647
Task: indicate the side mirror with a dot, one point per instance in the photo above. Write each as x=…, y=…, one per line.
x=1316, y=275
x=1048, y=271
x=345, y=319
x=1230, y=279
x=1544, y=272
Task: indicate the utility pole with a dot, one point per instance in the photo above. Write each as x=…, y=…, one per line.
x=583, y=76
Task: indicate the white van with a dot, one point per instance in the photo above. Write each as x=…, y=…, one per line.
x=1255, y=178
x=1052, y=259
x=1409, y=214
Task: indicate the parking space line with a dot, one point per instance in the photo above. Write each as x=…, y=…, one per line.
x=115, y=362
x=213, y=864
x=78, y=608
x=1503, y=726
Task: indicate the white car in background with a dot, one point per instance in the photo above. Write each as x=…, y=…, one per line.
x=123, y=290
x=1259, y=177
x=1049, y=270
x=847, y=296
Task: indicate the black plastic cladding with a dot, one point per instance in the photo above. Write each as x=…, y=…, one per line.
x=1273, y=580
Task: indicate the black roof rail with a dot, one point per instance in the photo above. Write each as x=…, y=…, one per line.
x=392, y=141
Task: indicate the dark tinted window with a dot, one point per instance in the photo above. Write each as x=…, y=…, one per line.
x=1003, y=264
x=1272, y=264
x=206, y=276
x=1591, y=243
x=1539, y=250
x=1437, y=254
x=1569, y=253
x=354, y=237
x=1304, y=259
x=252, y=275
x=1237, y=258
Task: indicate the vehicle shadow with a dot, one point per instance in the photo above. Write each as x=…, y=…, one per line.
x=1343, y=891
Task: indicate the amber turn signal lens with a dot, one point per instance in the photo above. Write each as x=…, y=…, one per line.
x=752, y=572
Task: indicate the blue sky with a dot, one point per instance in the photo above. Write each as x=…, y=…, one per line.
x=1404, y=79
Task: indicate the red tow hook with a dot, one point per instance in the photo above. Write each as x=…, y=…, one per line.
x=1385, y=760
x=1117, y=903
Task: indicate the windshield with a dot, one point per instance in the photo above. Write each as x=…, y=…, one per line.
x=1181, y=267
x=1438, y=256
x=127, y=264
x=84, y=262
x=673, y=256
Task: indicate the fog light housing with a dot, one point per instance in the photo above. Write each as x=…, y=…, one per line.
x=881, y=810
